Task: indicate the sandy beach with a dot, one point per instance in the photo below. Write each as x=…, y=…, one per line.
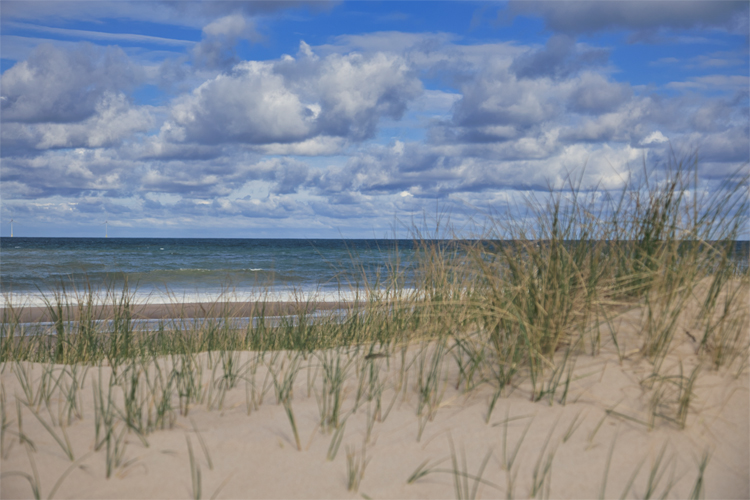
x=602, y=437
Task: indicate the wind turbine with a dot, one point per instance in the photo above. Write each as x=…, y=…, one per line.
x=11, y=228
x=106, y=229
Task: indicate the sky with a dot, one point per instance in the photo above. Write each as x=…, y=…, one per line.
x=264, y=119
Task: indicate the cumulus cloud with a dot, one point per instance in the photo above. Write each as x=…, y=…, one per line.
x=251, y=105
x=355, y=90
x=496, y=107
x=316, y=146
x=594, y=94
x=155, y=148
x=184, y=179
x=209, y=179
x=413, y=173
x=271, y=207
x=71, y=173
x=294, y=100
x=55, y=85
x=655, y=137
x=100, y=204
x=719, y=147
x=525, y=122
x=216, y=50
x=499, y=99
x=435, y=55
x=284, y=175
x=275, y=207
x=114, y=121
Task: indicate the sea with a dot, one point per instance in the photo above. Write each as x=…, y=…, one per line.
x=198, y=270
x=204, y=270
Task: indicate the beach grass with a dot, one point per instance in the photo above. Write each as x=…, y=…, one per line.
x=509, y=311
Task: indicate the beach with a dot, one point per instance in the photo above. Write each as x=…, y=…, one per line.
x=600, y=438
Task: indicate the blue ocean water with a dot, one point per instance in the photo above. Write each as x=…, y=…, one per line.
x=196, y=267
x=205, y=269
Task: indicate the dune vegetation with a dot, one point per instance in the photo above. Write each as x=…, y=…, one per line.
x=594, y=344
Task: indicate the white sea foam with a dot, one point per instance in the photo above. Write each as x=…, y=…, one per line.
x=159, y=297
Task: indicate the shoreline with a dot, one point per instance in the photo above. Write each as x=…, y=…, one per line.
x=186, y=310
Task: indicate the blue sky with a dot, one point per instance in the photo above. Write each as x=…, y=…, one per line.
x=320, y=119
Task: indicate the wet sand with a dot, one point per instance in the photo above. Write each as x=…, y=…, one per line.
x=183, y=310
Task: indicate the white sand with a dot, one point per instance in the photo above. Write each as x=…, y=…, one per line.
x=254, y=455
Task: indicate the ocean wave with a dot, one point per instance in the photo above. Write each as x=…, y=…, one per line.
x=153, y=296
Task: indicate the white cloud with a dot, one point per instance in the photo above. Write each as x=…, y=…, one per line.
x=232, y=26
x=316, y=146
x=252, y=105
x=595, y=94
x=655, y=137
x=114, y=121
x=305, y=50
x=293, y=101
x=71, y=172
x=62, y=86
x=217, y=49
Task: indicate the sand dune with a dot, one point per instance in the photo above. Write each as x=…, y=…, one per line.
x=609, y=429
